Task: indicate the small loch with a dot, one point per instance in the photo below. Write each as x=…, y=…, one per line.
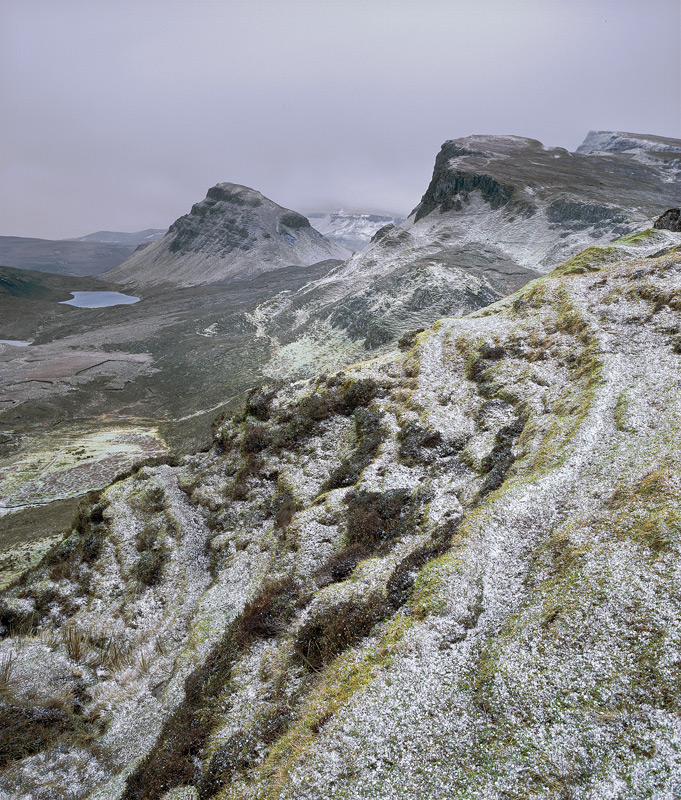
x=15, y=342
x=99, y=299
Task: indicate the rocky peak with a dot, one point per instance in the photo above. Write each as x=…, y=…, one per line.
x=232, y=217
x=234, y=193
x=235, y=232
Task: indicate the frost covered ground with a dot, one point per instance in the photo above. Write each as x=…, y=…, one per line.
x=450, y=572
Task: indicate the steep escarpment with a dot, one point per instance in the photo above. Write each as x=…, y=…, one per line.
x=498, y=211
x=235, y=232
x=448, y=572
x=541, y=205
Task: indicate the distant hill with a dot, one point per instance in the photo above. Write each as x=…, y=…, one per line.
x=63, y=257
x=121, y=237
x=234, y=233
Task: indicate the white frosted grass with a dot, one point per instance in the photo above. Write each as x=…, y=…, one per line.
x=417, y=728
x=99, y=299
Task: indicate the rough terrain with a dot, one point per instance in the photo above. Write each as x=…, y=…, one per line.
x=497, y=212
x=448, y=572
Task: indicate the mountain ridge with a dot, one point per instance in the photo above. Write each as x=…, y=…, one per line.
x=62, y=256
x=135, y=237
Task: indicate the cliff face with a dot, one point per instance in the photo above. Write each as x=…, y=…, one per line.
x=448, y=572
x=235, y=232
x=498, y=211
x=541, y=205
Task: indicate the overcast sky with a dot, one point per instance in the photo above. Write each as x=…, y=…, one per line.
x=120, y=114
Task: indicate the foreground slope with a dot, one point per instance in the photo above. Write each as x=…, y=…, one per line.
x=448, y=572
x=235, y=232
x=101, y=389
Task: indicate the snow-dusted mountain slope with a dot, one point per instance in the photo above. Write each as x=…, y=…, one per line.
x=352, y=229
x=235, y=232
x=535, y=206
x=450, y=572
x=632, y=144
x=498, y=211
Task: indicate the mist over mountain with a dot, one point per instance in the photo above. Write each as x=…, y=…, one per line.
x=352, y=229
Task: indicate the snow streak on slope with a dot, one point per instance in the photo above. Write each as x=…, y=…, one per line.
x=352, y=229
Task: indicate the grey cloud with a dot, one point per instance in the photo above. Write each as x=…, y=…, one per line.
x=121, y=115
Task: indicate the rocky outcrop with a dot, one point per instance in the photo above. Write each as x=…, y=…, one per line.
x=450, y=189
x=669, y=221
x=234, y=233
x=541, y=205
x=450, y=571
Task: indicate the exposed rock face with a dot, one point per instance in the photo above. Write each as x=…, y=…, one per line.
x=670, y=220
x=529, y=201
x=453, y=187
x=448, y=572
x=499, y=210
x=235, y=232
